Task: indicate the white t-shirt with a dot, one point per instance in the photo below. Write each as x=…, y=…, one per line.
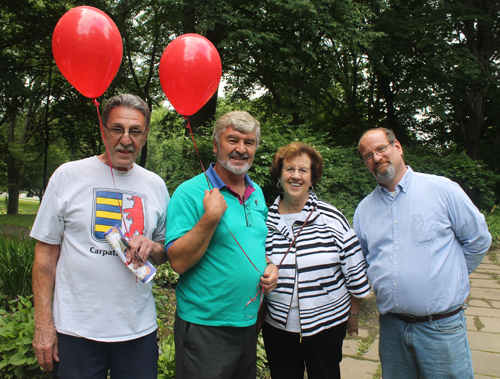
x=96, y=296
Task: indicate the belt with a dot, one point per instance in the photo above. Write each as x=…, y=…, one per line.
x=412, y=320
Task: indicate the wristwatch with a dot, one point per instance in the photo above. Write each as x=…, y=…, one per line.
x=353, y=314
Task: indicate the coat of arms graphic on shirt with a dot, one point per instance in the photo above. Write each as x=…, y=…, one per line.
x=108, y=205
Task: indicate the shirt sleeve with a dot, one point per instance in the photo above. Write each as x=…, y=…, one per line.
x=49, y=222
x=357, y=229
x=161, y=227
x=469, y=226
x=354, y=266
x=182, y=216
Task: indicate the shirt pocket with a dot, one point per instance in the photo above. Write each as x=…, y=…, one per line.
x=423, y=228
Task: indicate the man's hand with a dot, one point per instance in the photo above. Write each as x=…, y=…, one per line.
x=214, y=203
x=140, y=250
x=269, y=280
x=45, y=345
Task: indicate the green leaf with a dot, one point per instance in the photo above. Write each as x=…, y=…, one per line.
x=17, y=359
x=3, y=363
x=19, y=372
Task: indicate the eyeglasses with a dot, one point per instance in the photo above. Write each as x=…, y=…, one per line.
x=118, y=132
x=368, y=158
x=290, y=170
x=248, y=214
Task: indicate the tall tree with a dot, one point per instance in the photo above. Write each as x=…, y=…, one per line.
x=29, y=120
x=477, y=27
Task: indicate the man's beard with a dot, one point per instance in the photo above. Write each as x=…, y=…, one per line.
x=238, y=170
x=387, y=174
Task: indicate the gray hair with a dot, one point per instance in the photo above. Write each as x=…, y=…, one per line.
x=391, y=137
x=240, y=121
x=128, y=101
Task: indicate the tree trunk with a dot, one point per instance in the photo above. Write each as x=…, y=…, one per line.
x=13, y=188
x=144, y=155
x=13, y=171
x=476, y=20
x=392, y=119
x=476, y=121
x=204, y=116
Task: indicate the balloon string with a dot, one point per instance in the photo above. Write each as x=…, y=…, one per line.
x=232, y=235
x=188, y=125
x=94, y=101
x=259, y=292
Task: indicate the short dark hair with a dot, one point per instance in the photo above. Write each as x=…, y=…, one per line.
x=128, y=101
x=292, y=150
x=389, y=133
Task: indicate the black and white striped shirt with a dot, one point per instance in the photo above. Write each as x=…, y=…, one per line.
x=329, y=262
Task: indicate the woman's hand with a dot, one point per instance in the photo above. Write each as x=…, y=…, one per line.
x=352, y=321
x=352, y=325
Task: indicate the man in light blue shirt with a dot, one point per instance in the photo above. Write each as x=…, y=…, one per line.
x=421, y=236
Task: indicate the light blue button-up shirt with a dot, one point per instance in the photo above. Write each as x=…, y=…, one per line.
x=421, y=244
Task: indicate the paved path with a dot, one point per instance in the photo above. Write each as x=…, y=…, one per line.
x=483, y=324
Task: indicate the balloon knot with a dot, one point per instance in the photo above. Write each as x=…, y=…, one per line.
x=94, y=101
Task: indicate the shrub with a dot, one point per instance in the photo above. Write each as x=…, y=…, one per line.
x=493, y=220
x=16, y=335
x=166, y=360
x=475, y=178
x=16, y=264
x=165, y=276
x=262, y=366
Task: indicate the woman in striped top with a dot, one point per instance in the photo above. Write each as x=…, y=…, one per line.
x=322, y=272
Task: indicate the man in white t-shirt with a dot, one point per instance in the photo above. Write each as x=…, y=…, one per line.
x=101, y=318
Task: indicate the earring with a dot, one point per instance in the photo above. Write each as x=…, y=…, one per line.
x=311, y=189
x=278, y=185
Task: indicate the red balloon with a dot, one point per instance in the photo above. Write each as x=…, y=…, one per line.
x=190, y=72
x=88, y=50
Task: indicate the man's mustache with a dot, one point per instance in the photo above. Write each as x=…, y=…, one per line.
x=238, y=155
x=381, y=163
x=128, y=148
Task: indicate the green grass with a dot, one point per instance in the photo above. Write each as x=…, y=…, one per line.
x=26, y=206
x=26, y=217
x=21, y=221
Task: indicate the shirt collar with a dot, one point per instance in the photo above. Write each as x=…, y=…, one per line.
x=403, y=184
x=277, y=222
x=218, y=183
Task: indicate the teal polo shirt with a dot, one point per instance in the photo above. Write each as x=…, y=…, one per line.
x=217, y=289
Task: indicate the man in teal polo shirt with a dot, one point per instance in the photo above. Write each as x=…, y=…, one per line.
x=216, y=242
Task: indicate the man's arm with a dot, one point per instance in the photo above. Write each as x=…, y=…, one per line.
x=187, y=250
x=44, y=274
x=469, y=226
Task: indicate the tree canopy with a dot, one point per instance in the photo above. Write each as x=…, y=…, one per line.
x=428, y=69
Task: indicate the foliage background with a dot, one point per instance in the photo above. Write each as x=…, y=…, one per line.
x=318, y=71
x=428, y=69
